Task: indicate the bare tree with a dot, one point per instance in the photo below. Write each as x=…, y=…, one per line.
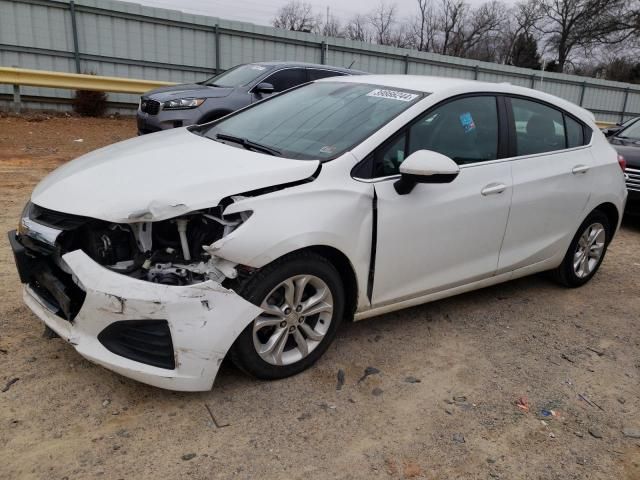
x=358, y=29
x=332, y=28
x=297, y=16
x=424, y=26
x=492, y=31
x=382, y=21
x=451, y=20
x=526, y=16
x=519, y=26
x=481, y=32
x=401, y=36
x=571, y=24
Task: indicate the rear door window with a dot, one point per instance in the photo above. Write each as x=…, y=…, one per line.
x=539, y=128
x=287, y=78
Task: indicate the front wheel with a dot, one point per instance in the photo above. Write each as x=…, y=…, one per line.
x=302, y=297
x=586, y=252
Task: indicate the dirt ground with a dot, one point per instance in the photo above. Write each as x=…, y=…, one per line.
x=442, y=406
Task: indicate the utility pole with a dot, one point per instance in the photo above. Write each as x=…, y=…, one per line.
x=326, y=45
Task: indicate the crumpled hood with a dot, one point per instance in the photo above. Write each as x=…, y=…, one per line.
x=160, y=176
x=188, y=90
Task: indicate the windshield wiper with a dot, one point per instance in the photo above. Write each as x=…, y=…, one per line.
x=248, y=144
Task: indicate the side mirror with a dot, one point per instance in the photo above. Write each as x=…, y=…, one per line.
x=425, y=166
x=264, y=87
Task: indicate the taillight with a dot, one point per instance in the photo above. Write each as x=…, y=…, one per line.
x=622, y=162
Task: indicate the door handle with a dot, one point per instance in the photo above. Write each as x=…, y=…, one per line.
x=580, y=169
x=493, y=189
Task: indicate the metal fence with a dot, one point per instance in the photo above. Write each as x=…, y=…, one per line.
x=121, y=39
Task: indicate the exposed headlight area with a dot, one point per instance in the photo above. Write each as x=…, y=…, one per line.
x=183, y=103
x=171, y=252
x=176, y=251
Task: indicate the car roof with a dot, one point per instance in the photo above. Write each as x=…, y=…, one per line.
x=309, y=65
x=457, y=86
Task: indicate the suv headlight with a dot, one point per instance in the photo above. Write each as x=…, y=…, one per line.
x=183, y=103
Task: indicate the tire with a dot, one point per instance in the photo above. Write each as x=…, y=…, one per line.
x=569, y=275
x=269, y=288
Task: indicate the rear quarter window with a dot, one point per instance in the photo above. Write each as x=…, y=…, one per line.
x=575, y=132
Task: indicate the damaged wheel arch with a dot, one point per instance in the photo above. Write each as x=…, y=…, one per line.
x=302, y=296
x=334, y=256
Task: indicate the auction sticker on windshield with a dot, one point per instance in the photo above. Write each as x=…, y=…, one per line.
x=392, y=95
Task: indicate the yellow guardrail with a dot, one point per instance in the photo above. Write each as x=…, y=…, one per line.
x=76, y=81
x=605, y=124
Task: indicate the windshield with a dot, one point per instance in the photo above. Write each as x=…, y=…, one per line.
x=632, y=132
x=237, y=76
x=317, y=121
x=628, y=122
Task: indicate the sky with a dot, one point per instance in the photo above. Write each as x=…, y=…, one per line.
x=263, y=11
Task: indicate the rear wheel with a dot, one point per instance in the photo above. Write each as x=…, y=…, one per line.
x=586, y=252
x=303, y=301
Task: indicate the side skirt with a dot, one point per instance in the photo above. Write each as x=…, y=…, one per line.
x=432, y=296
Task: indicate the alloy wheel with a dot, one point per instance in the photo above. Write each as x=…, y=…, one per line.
x=297, y=315
x=589, y=250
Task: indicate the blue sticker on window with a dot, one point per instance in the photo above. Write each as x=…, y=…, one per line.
x=467, y=122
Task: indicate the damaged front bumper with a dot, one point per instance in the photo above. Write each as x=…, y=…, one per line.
x=123, y=322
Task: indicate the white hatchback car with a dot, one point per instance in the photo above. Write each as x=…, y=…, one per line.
x=254, y=236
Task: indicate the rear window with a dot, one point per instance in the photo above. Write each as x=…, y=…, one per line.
x=318, y=74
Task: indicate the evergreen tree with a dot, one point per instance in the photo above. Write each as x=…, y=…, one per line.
x=525, y=52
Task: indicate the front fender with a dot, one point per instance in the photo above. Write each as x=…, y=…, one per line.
x=304, y=216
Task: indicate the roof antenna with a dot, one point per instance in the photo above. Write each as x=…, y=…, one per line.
x=354, y=61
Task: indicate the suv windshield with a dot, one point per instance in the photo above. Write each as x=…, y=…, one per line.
x=632, y=132
x=237, y=76
x=317, y=121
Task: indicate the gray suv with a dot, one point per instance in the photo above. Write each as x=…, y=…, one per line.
x=186, y=104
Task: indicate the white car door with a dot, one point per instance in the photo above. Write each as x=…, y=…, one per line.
x=551, y=183
x=442, y=235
